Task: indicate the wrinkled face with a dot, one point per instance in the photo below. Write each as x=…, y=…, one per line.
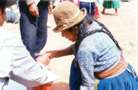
x=2, y=17
x=69, y=34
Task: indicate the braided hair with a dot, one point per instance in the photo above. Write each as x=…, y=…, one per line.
x=107, y=31
x=104, y=29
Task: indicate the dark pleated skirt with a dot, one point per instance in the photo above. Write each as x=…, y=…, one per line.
x=111, y=4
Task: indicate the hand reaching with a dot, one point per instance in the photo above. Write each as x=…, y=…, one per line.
x=45, y=58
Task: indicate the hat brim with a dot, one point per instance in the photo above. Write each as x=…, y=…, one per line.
x=76, y=21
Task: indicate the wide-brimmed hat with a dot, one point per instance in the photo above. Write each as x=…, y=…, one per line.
x=66, y=15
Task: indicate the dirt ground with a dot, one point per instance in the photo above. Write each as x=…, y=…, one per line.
x=124, y=27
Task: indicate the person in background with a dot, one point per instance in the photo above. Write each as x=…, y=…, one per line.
x=17, y=63
x=33, y=24
x=89, y=5
x=108, y=4
x=12, y=13
x=97, y=53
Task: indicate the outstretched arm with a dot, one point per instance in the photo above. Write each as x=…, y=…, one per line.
x=45, y=58
x=60, y=53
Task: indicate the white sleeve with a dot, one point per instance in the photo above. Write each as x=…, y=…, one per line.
x=26, y=71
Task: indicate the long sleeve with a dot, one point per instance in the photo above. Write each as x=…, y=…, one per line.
x=85, y=61
x=17, y=63
x=94, y=56
x=25, y=70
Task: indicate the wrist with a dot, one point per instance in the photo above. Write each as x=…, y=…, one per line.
x=51, y=55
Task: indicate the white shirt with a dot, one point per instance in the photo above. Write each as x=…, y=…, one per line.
x=17, y=63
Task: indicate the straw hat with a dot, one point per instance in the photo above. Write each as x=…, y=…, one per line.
x=66, y=15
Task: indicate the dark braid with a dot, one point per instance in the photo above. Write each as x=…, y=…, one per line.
x=103, y=30
x=107, y=31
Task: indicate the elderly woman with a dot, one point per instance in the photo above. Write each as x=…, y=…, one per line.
x=90, y=6
x=97, y=53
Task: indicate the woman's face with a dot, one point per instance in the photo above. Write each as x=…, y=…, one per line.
x=69, y=34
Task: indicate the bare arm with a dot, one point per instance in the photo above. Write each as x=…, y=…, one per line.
x=61, y=52
x=45, y=58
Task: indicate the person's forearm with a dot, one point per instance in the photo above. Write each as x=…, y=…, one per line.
x=62, y=52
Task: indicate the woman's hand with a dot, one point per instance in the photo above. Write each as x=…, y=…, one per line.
x=45, y=58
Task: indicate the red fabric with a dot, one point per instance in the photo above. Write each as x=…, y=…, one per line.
x=43, y=87
x=97, y=15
